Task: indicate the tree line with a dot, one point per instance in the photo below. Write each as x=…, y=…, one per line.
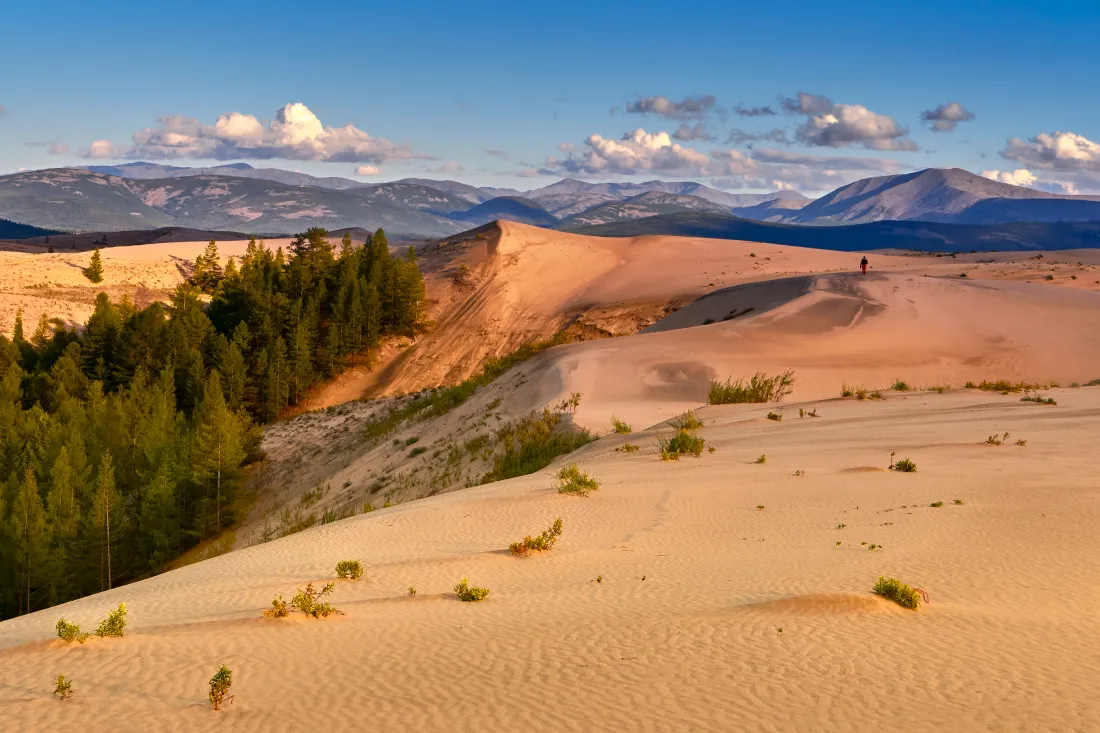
x=122, y=444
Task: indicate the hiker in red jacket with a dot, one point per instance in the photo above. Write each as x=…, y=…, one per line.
x=863, y=265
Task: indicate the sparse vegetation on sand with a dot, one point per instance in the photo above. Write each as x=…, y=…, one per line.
x=901, y=386
x=442, y=401
x=115, y=623
x=64, y=687
x=542, y=543
x=762, y=458
x=352, y=569
x=219, y=687
x=898, y=592
x=470, y=593
x=71, y=632
x=572, y=480
x=904, y=466
x=687, y=421
x=682, y=442
x=1003, y=386
x=619, y=426
x=759, y=388
x=278, y=608
x=777, y=416
x=1039, y=399
x=532, y=443
x=627, y=448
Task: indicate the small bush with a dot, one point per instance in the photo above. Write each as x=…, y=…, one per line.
x=417, y=451
x=682, y=442
x=936, y=504
x=905, y=466
x=1003, y=386
x=219, y=687
x=619, y=426
x=777, y=416
x=412, y=440
x=63, y=688
x=543, y=543
x=114, y=624
x=470, y=593
x=688, y=421
x=572, y=480
x=846, y=390
x=958, y=502
x=901, y=386
x=897, y=592
x=309, y=601
x=759, y=388
x=349, y=569
x=531, y=443
x=627, y=448
x=762, y=458
x=278, y=608
x=70, y=632
x=1039, y=399
x=411, y=591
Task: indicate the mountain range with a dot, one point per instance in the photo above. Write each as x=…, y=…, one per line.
x=268, y=201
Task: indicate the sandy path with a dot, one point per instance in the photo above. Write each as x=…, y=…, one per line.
x=1009, y=642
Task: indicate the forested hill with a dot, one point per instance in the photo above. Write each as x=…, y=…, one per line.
x=122, y=445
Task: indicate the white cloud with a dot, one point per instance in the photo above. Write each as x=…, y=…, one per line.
x=946, y=117
x=636, y=151
x=368, y=170
x=102, y=149
x=295, y=134
x=1062, y=151
x=1018, y=177
x=833, y=125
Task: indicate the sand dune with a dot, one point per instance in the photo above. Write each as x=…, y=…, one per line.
x=696, y=644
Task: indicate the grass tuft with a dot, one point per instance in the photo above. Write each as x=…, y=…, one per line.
x=619, y=426
x=470, y=593
x=349, y=569
x=898, y=592
x=543, y=543
x=682, y=442
x=572, y=480
x=759, y=388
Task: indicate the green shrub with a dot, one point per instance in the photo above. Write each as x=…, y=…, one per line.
x=70, y=632
x=1093, y=383
x=412, y=440
x=688, y=421
x=619, y=426
x=627, y=448
x=219, y=687
x=901, y=386
x=572, y=480
x=777, y=416
x=904, y=465
x=957, y=502
x=63, y=688
x=543, y=543
x=936, y=504
x=897, y=592
x=759, y=388
x=846, y=391
x=470, y=593
x=532, y=443
x=278, y=608
x=1038, y=398
x=762, y=458
x=309, y=601
x=682, y=442
x=1003, y=386
x=417, y=451
x=349, y=569
x=114, y=624
x=411, y=591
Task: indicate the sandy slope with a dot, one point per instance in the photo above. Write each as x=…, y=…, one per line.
x=1009, y=642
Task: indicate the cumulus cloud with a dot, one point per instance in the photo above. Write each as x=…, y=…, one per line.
x=640, y=152
x=566, y=147
x=687, y=132
x=295, y=134
x=1018, y=177
x=833, y=125
x=1064, y=151
x=946, y=117
x=368, y=170
x=743, y=111
x=103, y=149
x=690, y=108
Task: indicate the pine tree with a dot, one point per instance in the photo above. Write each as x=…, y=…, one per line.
x=17, y=329
x=94, y=270
x=27, y=530
x=107, y=516
x=160, y=519
x=219, y=446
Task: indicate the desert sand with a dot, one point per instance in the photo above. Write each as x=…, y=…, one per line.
x=702, y=594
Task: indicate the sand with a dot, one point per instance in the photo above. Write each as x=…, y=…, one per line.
x=1009, y=640
x=682, y=633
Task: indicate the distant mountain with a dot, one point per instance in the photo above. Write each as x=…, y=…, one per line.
x=913, y=235
x=465, y=191
x=651, y=203
x=79, y=200
x=943, y=195
x=240, y=170
x=511, y=208
x=413, y=196
x=90, y=240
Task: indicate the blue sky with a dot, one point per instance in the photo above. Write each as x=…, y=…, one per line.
x=429, y=88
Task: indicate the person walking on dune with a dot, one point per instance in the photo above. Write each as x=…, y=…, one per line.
x=863, y=265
